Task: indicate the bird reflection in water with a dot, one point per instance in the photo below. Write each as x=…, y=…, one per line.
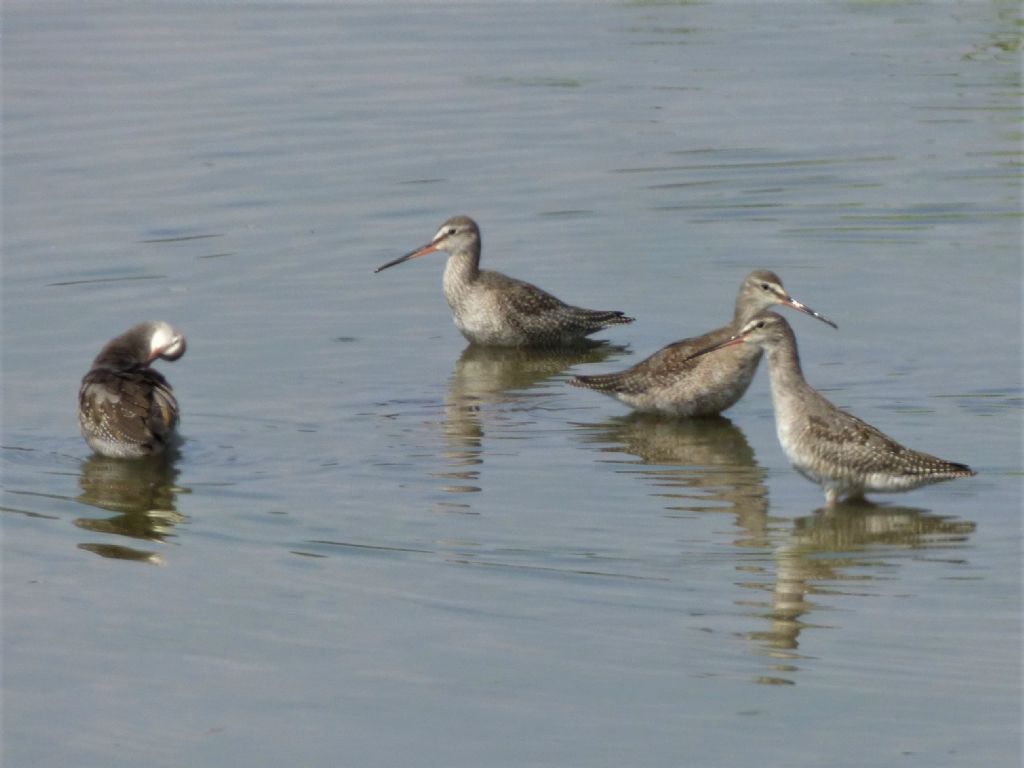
x=696, y=465
x=707, y=464
x=495, y=388
x=824, y=550
x=140, y=492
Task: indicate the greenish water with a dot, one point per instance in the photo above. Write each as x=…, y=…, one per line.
x=378, y=547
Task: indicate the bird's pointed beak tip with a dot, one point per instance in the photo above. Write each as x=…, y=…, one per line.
x=422, y=251
x=801, y=307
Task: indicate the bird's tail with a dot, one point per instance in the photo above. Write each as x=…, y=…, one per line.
x=607, y=382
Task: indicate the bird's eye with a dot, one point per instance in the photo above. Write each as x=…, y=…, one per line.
x=765, y=287
x=451, y=231
x=760, y=324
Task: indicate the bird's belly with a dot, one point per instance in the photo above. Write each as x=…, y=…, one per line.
x=884, y=482
x=482, y=321
x=795, y=442
x=116, y=449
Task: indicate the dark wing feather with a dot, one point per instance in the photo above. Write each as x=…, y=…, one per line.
x=860, y=448
x=537, y=312
x=136, y=407
x=660, y=369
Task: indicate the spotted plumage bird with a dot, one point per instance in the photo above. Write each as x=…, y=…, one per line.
x=673, y=382
x=492, y=309
x=846, y=456
x=126, y=409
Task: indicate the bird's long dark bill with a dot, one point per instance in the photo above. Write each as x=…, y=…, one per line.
x=428, y=248
x=714, y=347
x=800, y=307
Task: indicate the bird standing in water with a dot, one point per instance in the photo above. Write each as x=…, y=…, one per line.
x=125, y=408
x=828, y=446
x=672, y=381
x=492, y=309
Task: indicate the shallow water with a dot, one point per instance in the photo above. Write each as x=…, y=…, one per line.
x=379, y=547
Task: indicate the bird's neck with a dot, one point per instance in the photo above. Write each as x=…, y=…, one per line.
x=744, y=311
x=463, y=268
x=118, y=357
x=789, y=387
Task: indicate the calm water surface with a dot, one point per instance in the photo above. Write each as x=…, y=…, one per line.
x=379, y=547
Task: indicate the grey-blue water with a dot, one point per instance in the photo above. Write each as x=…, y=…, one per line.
x=379, y=548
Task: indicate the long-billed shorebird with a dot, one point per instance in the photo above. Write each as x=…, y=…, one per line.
x=672, y=381
x=125, y=408
x=492, y=309
x=845, y=455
